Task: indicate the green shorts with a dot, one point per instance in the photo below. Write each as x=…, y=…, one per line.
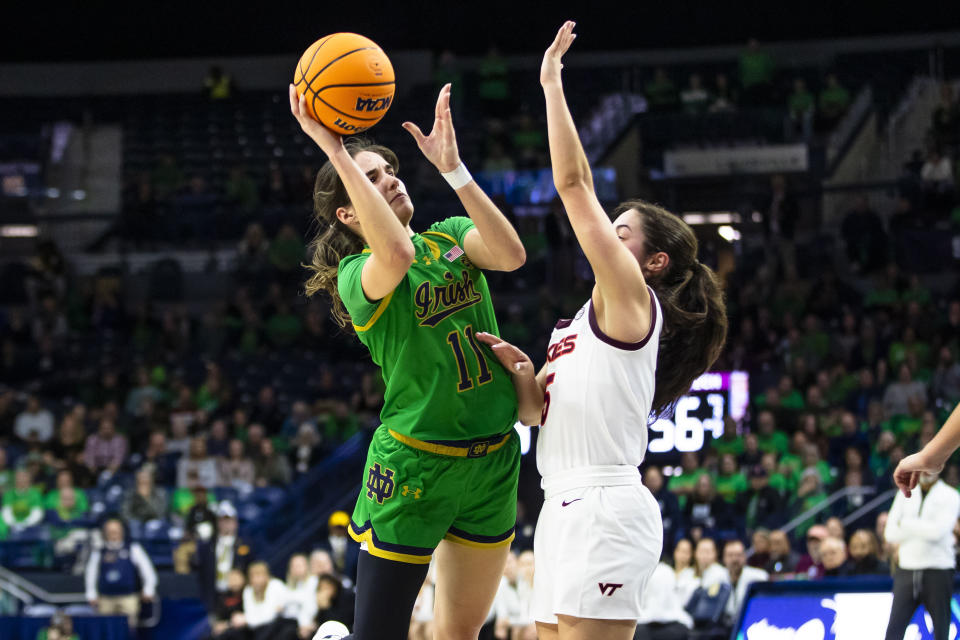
x=417, y=493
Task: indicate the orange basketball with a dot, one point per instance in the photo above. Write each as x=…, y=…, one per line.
x=348, y=80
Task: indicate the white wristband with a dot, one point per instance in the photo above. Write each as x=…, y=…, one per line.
x=459, y=177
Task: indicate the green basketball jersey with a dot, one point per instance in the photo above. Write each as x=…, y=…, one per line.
x=442, y=383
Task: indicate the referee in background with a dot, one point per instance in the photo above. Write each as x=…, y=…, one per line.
x=923, y=527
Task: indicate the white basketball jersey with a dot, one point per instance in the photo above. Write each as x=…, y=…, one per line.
x=598, y=394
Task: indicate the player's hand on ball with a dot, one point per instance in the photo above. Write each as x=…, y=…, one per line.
x=328, y=141
x=514, y=360
x=551, y=66
x=907, y=473
x=440, y=147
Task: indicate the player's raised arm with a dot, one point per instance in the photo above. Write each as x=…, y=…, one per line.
x=618, y=275
x=391, y=249
x=932, y=457
x=494, y=243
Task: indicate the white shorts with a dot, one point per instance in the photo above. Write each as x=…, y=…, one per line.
x=598, y=539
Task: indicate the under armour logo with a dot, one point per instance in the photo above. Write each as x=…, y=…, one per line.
x=608, y=586
x=379, y=483
x=407, y=491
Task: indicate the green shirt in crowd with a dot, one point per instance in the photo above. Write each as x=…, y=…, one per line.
x=777, y=442
x=730, y=487
x=21, y=503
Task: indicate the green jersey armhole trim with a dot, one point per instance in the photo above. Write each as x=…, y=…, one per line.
x=376, y=314
x=442, y=235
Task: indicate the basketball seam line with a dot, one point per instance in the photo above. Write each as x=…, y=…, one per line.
x=340, y=57
x=302, y=73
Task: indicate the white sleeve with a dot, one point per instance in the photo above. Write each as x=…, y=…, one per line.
x=892, y=532
x=308, y=611
x=92, y=574
x=35, y=517
x=7, y=513
x=148, y=575
x=938, y=521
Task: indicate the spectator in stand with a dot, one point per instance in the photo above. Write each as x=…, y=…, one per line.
x=662, y=614
x=731, y=483
x=770, y=438
x=275, y=191
x=264, y=599
x=740, y=576
x=266, y=412
x=938, y=180
x=833, y=556
x=834, y=101
x=863, y=233
x=344, y=552
x=800, y=109
x=199, y=518
x=228, y=612
x=496, y=158
x=217, y=557
x=682, y=559
x=660, y=91
x=157, y=455
x=896, y=397
x=271, y=468
x=780, y=211
x=752, y=455
x=34, y=425
x=105, y=450
x=705, y=510
x=783, y=559
x=332, y=601
x=253, y=256
x=199, y=465
x=255, y=437
x=945, y=385
x=305, y=450
x=756, y=74
x=53, y=501
x=143, y=389
x=682, y=484
x=237, y=470
x=811, y=563
x=705, y=573
x=694, y=97
x=865, y=554
x=835, y=528
x=764, y=503
x=724, y=96
x=669, y=507
x=218, y=442
x=302, y=588
x=23, y=503
x=61, y=628
x=320, y=563
x=144, y=501
x=119, y=575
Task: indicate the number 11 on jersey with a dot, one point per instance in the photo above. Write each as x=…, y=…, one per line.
x=466, y=382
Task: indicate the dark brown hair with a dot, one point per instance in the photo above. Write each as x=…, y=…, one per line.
x=694, y=312
x=334, y=240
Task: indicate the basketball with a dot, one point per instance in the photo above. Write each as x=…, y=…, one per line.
x=348, y=81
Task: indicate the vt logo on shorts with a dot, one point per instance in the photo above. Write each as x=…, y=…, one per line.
x=379, y=483
x=608, y=586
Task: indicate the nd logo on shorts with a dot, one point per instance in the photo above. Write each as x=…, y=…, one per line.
x=380, y=483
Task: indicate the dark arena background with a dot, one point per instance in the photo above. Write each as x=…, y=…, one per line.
x=160, y=364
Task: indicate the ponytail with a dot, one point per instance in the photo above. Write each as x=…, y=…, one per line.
x=690, y=295
x=334, y=240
